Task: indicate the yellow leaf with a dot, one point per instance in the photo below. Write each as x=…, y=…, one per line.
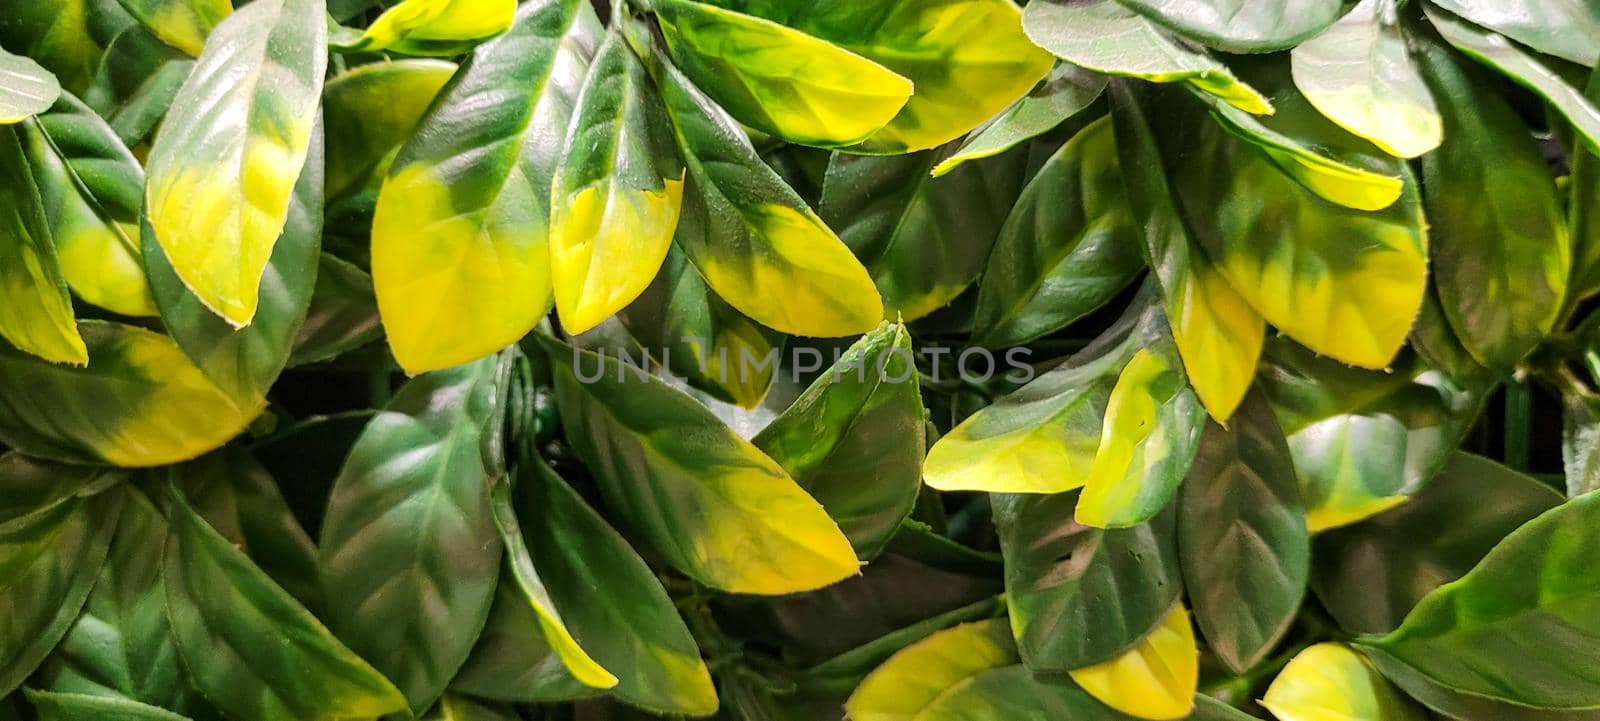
x=1331, y=682
x=1156, y=679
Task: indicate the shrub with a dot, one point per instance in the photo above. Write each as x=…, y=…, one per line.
x=898, y=360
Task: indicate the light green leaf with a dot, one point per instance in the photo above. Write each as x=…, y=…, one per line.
x=1079, y=596
x=1156, y=678
x=779, y=80
x=224, y=165
x=1501, y=251
x=60, y=35
x=26, y=88
x=854, y=440
x=1068, y=246
x=434, y=27
x=183, y=24
x=460, y=256
x=1242, y=26
x=1569, y=29
x=616, y=194
x=250, y=647
x=244, y=362
x=83, y=707
x=910, y=682
x=751, y=236
x=409, y=551
x=1104, y=36
x=1583, y=211
x=369, y=111
x=923, y=239
x=343, y=315
x=35, y=310
x=140, y=402
x=1067, y=92
x=1329, y=680
x=1513, y=627
x=1246, y=552
x=713, y=505
x=1359, y=73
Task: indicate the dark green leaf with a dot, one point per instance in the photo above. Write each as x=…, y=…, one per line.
x=343, y=314
x=82, y=707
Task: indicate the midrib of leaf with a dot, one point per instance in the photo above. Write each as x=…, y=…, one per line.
x=84, y=192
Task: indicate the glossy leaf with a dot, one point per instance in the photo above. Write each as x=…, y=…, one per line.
x=137, y=81
x=55, y=34
x=912, y=681
x=139, y=402
x=343, y=314
x=1067, y=92
x=854, y=439
x=1456, y=704
x=51, y=558
x=1370, y=574
x=1359, y=73
x=780, y=80
x=512, y=660
x=1330, y=680
x=611, y=600
x=712, y=504
x=92, y=187
x=1156, y=679
x=435, y=27
x=1583, y=213
x=31, y=483
x=409, y=550
x=752, y=238
x=35, y=310
x=460, y=237
x=1068, y=246
x=1531, y=599
x=923, y=239
x=248, y=646
x=27, y=89
x=369, y=111
x=1245, y=549
x=1569, y=29
x=1104, y=36
x=227, y=158
x=967, y=59
x=1242, y=26
x=1109, y=587
x=616, y=193
x=1219, y=335
x=84, y=707
x=183, y=24
x=1501, y=252
x=245, y=361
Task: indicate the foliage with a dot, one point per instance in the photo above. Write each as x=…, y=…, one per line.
x=795, y=360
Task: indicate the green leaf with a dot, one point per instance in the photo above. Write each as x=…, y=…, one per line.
x=1569, y=29
x=967, y=59
x=1080, y=595
x=460, y=236
x=1455, y=704
x=27, y=89
x=139, y=402
x=249, y=647
x=616, y=194
x=611, y=600
x=454, y=707
x=1501, y=251
x=751, y=236
x=1512, y=628
x=57, y=34
x=512, y=660
x=923, y=239
x=83, y=707
x=1329, y=680
x=779, y=80
x=1369, y=575
x=92, y=187
x=183, y=24
x=1527, y=69
x=245, y=361
x=30, y=483
x=1242, y=26
x=369, y=111
x=1156, y=678
x=434, y=27
x=137, y=81
x=713, y=505
x=1055, y=262
x=225, y=163
x=1359, y=73
x=1583, y=211
x=912, y=682
x=1219, y=335
x=35, y=310
x=409, y=551
x=50, y=559
x=854, y=440
x=1246, y=552
x=1104, y=36
x=701, y=338
x=121, y=647
x=1067, y=92
x=343, y=314
x=1363, y=441
x=1152, y=428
